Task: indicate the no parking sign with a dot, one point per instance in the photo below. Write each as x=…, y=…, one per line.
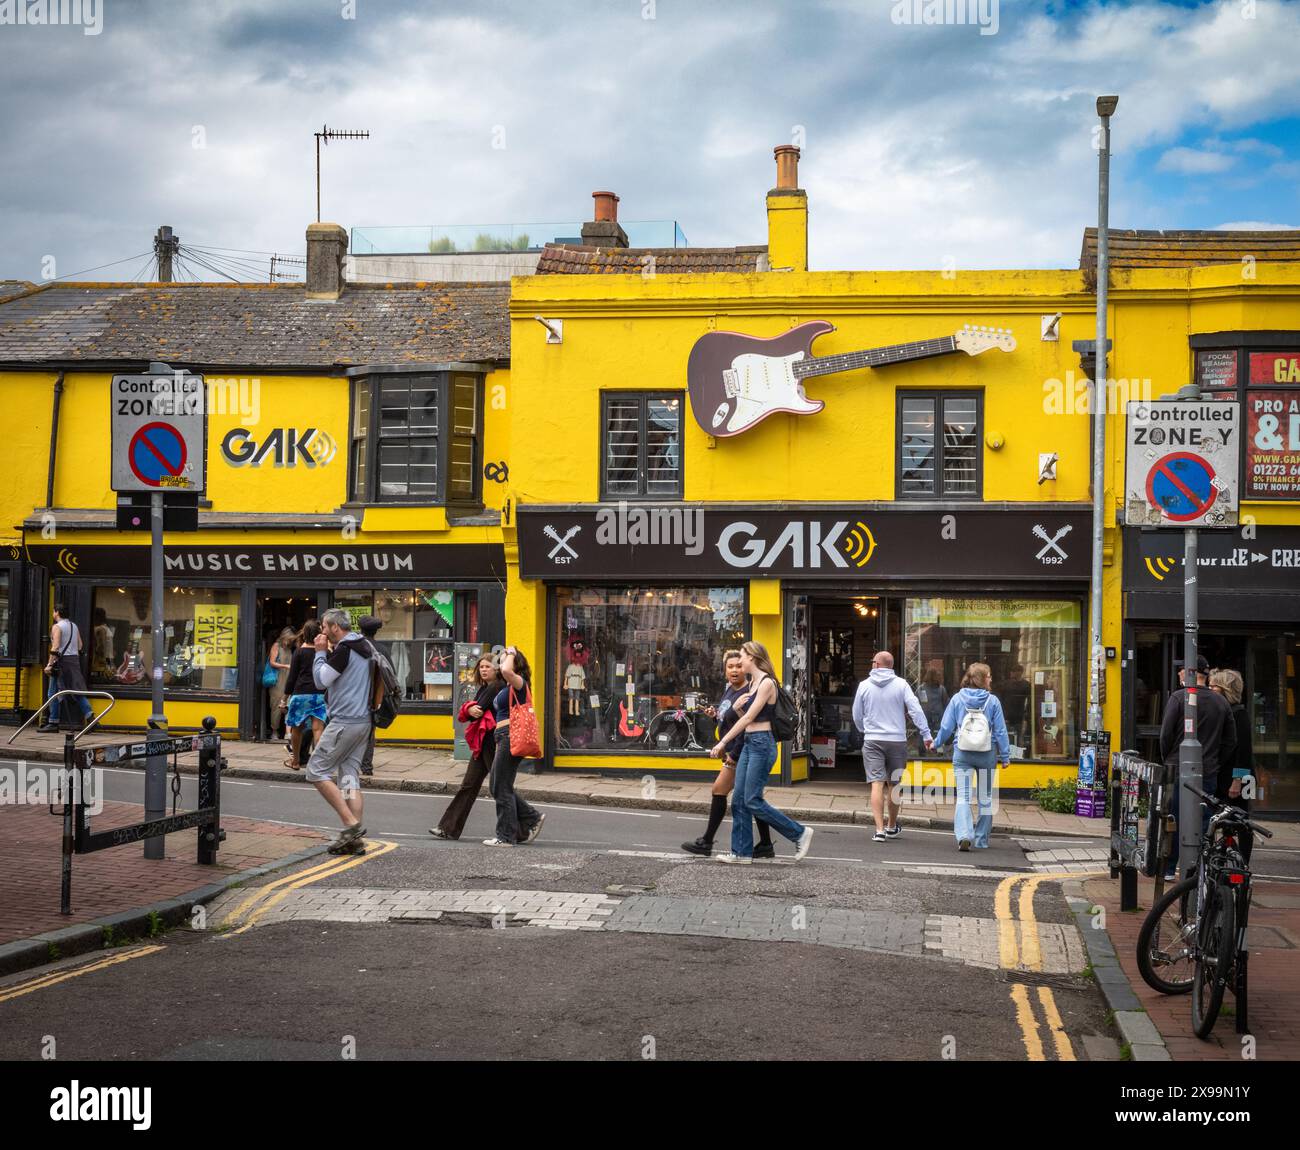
x=159, y=431
x=1183, y=463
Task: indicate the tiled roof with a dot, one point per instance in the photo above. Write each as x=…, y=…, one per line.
x=1149, y=249
x=257, y=324
x=10, y=288
x=580, y=259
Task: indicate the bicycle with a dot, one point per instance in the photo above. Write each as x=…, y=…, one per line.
x=1194, y=937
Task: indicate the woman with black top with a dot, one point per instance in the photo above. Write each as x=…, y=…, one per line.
x=517, y=821
x=306, y=703
x=479, y=716
x=725, y=713
x=1238, y=766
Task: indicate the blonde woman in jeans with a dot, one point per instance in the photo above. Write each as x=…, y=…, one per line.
x=757, y=756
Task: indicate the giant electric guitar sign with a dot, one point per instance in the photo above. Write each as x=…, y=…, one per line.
x=737, y=380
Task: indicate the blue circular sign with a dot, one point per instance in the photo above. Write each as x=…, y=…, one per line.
x=157, y=454
x=1182, y=486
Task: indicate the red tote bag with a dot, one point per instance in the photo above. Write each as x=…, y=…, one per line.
x=525, y=742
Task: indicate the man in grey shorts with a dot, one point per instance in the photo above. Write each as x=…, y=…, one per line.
x=880, y=710
x=344, y=670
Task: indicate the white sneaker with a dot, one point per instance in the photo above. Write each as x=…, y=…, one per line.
x=805, y=841
x=497, y=843
x=735, y=860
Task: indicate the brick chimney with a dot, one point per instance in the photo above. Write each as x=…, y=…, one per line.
x=604, y=231
x=327, y=246
x=787, y=214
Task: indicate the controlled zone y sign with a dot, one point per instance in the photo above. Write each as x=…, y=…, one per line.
x=159, y=432
x=1183, y=463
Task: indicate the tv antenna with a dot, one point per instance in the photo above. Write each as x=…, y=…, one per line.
x=327, y=134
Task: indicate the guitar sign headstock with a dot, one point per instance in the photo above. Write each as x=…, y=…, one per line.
x=973, y=340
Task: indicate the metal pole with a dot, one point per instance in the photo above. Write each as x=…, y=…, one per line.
x=68, y=790
x=1105, y=106
x=1189, y=753
x=155, y=774
x=318, y=136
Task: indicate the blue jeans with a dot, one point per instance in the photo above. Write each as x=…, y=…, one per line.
x=52, y=715
x=974, y=784
x=747, y=802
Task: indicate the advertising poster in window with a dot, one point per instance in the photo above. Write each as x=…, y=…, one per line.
x=1272, y=444
x=216, y=631
x=1269, y=368
x=1216, y=370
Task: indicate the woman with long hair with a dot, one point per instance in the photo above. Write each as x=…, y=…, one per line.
x=725, y=714
x=280, y=655
x=480, y=734
x=517, y=821
x=756, y=708
x=306, y=703
x=1238, y=765
x=975, y=715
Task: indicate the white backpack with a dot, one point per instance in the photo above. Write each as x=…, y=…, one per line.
x=975, y=734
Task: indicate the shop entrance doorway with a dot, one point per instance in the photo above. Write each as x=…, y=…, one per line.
x=275, y=612
x=1268, y=663
x=845, y=633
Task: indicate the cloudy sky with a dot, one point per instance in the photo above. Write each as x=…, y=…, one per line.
x=923, y=146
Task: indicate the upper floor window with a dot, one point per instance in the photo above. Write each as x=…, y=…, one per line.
x=939, y=444
x=641, y=445
x=416, y=438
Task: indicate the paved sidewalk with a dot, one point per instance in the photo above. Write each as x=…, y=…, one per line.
x=434, y=771
x=1273, y=937
x=117, y=887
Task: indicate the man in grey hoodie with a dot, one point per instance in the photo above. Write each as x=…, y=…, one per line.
x=344, y=670
x=880, y=710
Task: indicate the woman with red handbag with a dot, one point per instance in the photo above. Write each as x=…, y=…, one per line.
x=517, y=739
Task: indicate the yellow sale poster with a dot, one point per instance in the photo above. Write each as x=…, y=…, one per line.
x=216, y=630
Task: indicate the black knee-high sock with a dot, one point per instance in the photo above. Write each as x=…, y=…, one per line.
x=717, y=809
x=764, y=832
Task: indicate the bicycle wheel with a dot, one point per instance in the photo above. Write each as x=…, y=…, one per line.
x=1166, y=944
x=1218, y=937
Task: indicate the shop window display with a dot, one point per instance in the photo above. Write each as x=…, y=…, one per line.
x=419, y=634
x=1032, y=648
x=200, y=631
x=635, y=666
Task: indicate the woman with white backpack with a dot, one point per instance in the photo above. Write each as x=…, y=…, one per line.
x=974, y=717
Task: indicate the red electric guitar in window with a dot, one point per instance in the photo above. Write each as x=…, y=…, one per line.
x=737, y=380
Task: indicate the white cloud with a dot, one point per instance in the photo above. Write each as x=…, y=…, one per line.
x=1193, y=162
x=1255, y=226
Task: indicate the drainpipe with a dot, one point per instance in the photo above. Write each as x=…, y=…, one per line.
x=54, y=442
x=1105, y=109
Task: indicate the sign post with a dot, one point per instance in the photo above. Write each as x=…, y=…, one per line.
x=1183, y=469
x=159, y=421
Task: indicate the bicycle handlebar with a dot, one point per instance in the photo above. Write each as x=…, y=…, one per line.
x=1241, y=815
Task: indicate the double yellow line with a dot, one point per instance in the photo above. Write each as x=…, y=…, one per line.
x=44, y=981
x=246, y=915
x=1025, y=953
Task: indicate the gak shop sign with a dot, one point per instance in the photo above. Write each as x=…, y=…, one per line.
x=283, y=446
x=826, y=541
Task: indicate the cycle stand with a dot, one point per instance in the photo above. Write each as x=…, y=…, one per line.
x=78, y=838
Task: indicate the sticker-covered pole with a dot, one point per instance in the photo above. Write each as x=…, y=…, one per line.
x=155, y=773
x=1189, y=752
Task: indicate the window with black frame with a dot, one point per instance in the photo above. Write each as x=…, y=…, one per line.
x=416, y=438
x=939, y=445
x=642, y=439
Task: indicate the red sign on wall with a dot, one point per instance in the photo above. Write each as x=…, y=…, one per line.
x=1272, y=444
x=1274, y=367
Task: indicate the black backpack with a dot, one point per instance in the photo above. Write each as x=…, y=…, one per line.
x=785, y=719
x=386, y=700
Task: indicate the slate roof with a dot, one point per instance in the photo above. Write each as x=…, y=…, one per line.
x=1152, y=249
x=271, y=325
x=10, y=288
x=584, y=259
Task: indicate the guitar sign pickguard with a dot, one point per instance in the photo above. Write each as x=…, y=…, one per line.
x=758, y=384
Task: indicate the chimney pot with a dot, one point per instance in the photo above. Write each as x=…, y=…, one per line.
x=606, y=206
x=327, y=248
x=787, y=165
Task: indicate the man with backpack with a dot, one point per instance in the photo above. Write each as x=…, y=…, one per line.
x=880, y=710
x=344, y=667
x=975, y=717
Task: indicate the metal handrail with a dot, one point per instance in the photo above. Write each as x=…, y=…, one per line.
x=112, y=702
